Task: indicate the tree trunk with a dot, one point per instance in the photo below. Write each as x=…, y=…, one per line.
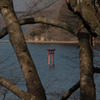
x=87, y=10
x=87, y=87
x=17, y=40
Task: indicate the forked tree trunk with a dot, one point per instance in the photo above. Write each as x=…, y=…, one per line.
x=87, y=10
x=17, y=40
x=87, y=87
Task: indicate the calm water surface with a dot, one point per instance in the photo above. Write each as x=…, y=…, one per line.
x=56, y=80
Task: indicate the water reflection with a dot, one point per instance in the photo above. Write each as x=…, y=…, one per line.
x=51, y=66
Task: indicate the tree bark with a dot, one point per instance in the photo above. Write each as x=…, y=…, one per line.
x=17, y=40
x=96, y=70
x=38, y=20
x=87, y=87
x=70, y=91
x=47, y=21
x=34, y=85
x=13, y=88
x=87, y=10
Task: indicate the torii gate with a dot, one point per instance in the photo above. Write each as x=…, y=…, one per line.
x=51, y=52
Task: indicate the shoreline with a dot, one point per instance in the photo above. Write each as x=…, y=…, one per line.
x=46, y=42
x=49, y=42
x=55, y=42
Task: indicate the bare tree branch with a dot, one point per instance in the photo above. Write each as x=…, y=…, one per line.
x=3, y=33
x=38, y=20
x=75, y=87
x=55, y=23
x=71, y=90
x=10, y=86
x=31, y=12
x=69, y=6
x=96, y=70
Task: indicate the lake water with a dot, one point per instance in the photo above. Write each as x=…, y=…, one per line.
x=56, y=80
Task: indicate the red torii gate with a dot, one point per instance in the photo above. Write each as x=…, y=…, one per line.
x=51, y=52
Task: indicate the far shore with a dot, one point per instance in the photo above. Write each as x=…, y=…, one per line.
x=47, y=42
x=7, y=41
